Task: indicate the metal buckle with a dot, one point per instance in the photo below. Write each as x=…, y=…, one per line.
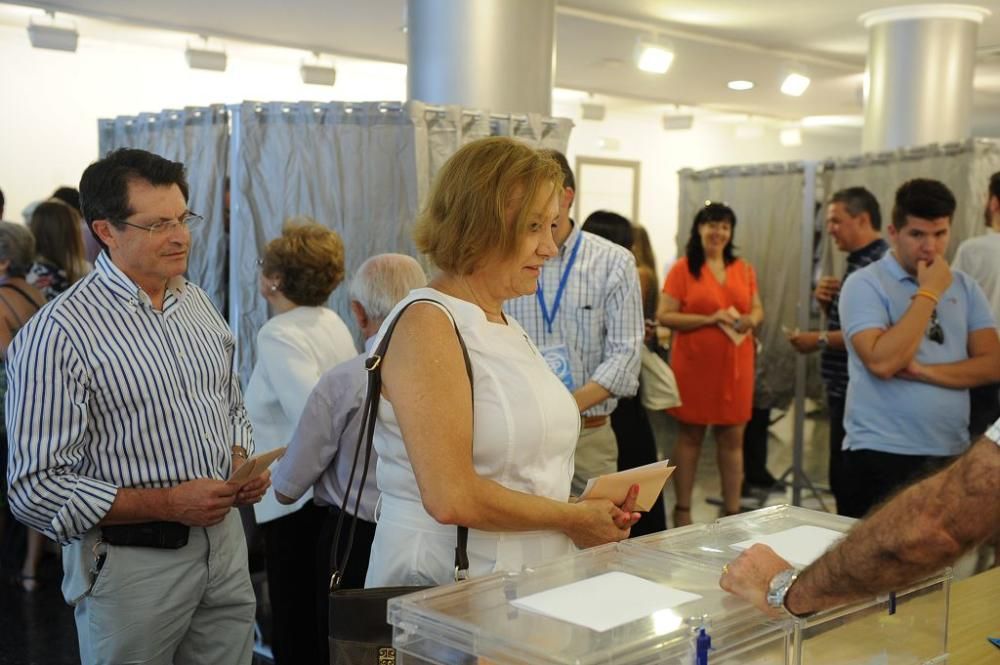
x=461, y=574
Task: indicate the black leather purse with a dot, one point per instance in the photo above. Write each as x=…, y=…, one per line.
x=359, y=633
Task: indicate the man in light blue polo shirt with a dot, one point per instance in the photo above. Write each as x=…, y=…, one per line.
x=920, y=335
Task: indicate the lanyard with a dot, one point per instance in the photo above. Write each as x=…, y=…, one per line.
x=550, y=317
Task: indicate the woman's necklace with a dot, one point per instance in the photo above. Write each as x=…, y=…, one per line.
x=496, y=316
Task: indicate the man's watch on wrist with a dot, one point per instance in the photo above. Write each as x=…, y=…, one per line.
x=777, y=590
x=239, y=451
x=823, y=341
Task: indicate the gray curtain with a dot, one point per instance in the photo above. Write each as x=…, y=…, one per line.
x=199, y=138
x=964, y=167
x=350, y=166
x=767, y=200
x=441, y=131
x=361, y=169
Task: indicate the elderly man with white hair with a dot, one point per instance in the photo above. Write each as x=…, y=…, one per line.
x=321, y=452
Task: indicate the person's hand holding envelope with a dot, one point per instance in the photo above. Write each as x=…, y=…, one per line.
x=253, y=476
x=614, y=487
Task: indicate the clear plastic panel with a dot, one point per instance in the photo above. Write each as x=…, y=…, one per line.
x=474, y=621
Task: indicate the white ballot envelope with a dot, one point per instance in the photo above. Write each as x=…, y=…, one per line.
x=614, y=486
x=255, y=466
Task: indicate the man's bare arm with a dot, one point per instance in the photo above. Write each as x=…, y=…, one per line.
x=923, y=529
x=982, y=366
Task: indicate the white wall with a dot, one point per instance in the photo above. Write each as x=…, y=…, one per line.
x=51, y=100
x=641, y=137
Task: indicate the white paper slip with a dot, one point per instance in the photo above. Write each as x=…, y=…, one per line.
x=603, y=602
x=800, y=545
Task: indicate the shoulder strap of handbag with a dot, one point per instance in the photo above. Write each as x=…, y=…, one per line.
x=365, y=434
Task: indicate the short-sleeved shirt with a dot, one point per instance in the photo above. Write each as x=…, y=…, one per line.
x=897, y=415
x=993, y=433
x=979, y=257
x=833, y=362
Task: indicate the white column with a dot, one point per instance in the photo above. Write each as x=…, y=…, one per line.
x=919, y=74
x=488, y=54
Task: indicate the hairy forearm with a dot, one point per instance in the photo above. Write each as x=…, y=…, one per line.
x=138, y=505
x=920, y=531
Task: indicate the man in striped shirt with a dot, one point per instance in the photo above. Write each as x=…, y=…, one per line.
x=586, y=319
x=125, y=422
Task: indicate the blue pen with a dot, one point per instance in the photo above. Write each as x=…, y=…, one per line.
x=702, y=646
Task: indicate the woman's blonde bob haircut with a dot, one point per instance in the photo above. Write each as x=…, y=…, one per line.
x=465, y=221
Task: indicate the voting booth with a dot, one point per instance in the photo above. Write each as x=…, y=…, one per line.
x=657, y=600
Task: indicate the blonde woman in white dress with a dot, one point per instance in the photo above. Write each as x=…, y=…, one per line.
x=500, y=464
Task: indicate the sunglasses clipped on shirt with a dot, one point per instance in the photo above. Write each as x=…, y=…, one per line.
x=935, y=332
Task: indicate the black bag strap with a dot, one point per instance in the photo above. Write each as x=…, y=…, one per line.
x=369, y=415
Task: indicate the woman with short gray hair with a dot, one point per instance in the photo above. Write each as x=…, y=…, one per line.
x=18, y=302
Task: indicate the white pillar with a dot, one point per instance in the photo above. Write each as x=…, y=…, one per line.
x=488, y=54
x=919, y=74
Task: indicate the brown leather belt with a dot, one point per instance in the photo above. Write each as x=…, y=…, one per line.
x=590, y=422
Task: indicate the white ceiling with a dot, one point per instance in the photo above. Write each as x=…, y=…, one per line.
x=714, y=41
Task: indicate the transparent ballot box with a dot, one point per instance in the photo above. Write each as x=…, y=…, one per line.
x=908, y=627
x=611, y=604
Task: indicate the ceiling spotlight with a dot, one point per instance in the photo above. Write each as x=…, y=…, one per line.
x=317, y=74
x=653, y=57
x=205, y=58
x=740, y=84
x=53, y=37
x=795, y=84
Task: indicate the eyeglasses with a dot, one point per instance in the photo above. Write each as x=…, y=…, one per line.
x=935, y=332
x=188, y=220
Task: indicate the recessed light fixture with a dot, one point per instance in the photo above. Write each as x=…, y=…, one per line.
x=653, y=56
x=795, y=84
x=740, y=84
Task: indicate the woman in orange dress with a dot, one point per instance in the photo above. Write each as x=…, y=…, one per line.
x=710, y=301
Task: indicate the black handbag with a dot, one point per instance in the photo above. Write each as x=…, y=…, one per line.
x=359, y=633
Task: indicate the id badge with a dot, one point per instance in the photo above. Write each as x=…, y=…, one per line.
x=557, y=357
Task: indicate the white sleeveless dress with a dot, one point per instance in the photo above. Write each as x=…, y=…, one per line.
x=526, y=426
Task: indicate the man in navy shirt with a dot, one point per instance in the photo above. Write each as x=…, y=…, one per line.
x=854, y=222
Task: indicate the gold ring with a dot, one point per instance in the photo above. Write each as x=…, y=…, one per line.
x=725, y=569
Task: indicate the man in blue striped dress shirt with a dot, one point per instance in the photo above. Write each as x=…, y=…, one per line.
x=586, y=319
x=125, y=422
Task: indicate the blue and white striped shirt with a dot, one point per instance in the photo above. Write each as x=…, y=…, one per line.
x=599, y=318
x=107, y=392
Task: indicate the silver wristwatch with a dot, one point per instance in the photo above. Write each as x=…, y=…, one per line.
x=823, y=341
x=778, y=589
